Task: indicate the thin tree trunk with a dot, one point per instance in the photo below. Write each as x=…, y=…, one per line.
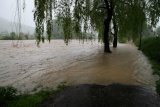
x=140, y=38
x=115, y=33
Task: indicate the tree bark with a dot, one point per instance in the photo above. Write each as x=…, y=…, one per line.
x=140, y=42
x=106, y=36
x=140, y=37
x=107, y=22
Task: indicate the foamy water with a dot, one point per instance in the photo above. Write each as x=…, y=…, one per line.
x=26, y=66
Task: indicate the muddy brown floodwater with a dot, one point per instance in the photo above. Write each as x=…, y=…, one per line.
x=25, y=66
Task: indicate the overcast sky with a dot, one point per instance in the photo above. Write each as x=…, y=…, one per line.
x=8, y=11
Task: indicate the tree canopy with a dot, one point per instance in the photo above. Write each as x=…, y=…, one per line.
x=78, y=16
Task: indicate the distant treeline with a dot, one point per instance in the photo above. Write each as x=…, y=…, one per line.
x=57, y=34
x=15, y=36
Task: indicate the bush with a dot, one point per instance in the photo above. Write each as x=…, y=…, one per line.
x=7, y=94
x=151, y=48
x=158, y=87
x=9, y=97
x=122, y=39
x=136, y=42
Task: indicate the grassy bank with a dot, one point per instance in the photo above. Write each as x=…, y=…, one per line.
x=10, y=97
x=151, y=48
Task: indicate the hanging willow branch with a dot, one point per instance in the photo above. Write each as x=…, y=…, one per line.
x=42, y=15
x=77, y=17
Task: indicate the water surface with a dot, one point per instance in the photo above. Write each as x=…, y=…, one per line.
x=25, y=66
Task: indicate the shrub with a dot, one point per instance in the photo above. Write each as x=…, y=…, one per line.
x=122, y=39
x=6, y=94
x=158, y=87
x=9, y=97
x=136, y=42
x=151, y=48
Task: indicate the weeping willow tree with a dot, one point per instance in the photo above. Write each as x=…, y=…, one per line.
x=79, y=16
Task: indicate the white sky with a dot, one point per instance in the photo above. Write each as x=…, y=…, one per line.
x=8, y=11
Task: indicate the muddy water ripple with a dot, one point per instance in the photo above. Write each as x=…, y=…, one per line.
x=26, y=66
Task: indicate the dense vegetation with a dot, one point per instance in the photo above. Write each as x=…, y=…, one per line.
x=151, y=48
x=10, y=97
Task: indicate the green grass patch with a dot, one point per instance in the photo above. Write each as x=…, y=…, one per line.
x=151, y=48
x=10, y=98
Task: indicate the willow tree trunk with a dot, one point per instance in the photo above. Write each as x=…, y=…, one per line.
x=107, y=22
x=106, y=35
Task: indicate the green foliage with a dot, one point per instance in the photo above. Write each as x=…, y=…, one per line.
x=7, y=94
x=43, y=13
x=61, y=87
x=10, y=97
x=14, y=36
x=158, y=87
x=151, y=47
x=11, y=36
x=136, y=42
x=30, y=100
x=122, y=39
x=77, y=17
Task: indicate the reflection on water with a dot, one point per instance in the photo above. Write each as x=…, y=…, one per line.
x=28, y=66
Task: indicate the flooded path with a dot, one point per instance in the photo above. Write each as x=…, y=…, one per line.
x=26, y=66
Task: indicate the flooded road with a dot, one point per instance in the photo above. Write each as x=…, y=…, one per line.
x=26, y=66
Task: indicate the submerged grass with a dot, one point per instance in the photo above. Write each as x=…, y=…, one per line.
x=151, y=48
x=9, y=97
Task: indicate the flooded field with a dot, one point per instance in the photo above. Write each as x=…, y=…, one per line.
x=26, y=66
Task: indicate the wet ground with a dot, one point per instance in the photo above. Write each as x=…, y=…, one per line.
x=114, y=95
